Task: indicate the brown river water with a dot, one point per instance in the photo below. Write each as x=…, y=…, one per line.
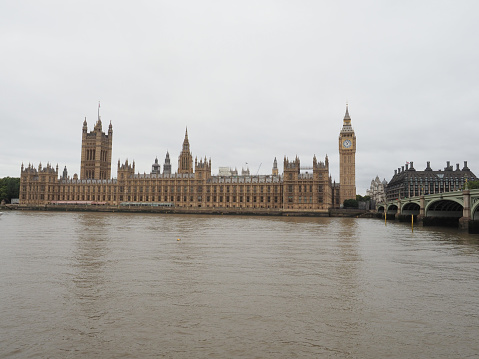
x=111, y=285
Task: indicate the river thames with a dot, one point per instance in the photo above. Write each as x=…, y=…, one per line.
x=110, y=285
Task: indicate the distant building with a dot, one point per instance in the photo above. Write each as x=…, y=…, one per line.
x=224, y=171
x=227, y=171
x=193, y=185
x=407, y=182
x=377, y=191
x=245, y=172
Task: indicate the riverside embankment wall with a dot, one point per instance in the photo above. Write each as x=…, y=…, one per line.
x=211, y=211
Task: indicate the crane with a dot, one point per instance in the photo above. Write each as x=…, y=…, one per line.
x=259, y=168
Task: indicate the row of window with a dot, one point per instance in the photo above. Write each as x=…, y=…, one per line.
x=172, y=198
x=303, y=188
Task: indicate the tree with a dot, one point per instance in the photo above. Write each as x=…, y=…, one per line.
x=350, y=203
x=473, y=184
x=360, y=198
x=9, y=188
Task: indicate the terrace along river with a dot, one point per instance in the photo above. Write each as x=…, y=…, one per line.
x=84, y=285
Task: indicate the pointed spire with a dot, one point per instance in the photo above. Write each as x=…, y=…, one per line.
x=347, y=122
x=186, y=143
x=346, y=116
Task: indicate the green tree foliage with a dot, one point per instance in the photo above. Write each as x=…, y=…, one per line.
x=360, y=198
x=350, y=203
x=9, y=188
x=473, y=184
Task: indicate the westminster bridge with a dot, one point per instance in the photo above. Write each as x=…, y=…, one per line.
x=463, y=204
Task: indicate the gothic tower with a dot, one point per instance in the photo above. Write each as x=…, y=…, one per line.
x=96, y=149
x=167, y=165
x=347, y=164
x=185, y=160
x=291, y=173
x=275, y=167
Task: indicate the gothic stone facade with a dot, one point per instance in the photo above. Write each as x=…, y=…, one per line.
x=377, y=190
x=193, y=185
x=96, y=152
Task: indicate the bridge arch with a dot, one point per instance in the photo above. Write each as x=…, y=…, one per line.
x=380, y=209
x=475, y=211
x=411, y=208
x=444, y=208
x=392, y=209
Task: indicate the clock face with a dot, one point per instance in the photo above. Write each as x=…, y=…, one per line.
x=347, y=143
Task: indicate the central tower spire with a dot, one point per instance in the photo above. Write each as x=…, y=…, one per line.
x=185, y=160
x=347, y=121
x=186, y=143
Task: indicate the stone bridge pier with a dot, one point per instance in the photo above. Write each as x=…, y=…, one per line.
x=466, y=211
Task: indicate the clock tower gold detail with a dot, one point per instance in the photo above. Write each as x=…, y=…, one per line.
x=347, y=160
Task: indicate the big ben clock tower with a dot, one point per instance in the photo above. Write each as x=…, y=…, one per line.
x=347, y=162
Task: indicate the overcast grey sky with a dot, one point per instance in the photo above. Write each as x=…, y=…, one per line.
x=252, y=80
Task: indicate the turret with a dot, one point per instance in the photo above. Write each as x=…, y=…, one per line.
x=98, y=126
x=275, y=167
x=125, y=170
x=156, y=167
x=202, y=169
x=167, y=165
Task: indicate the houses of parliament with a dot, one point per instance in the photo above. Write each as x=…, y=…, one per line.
x=193, y=186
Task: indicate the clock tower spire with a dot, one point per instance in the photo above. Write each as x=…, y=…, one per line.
x=347, y=160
